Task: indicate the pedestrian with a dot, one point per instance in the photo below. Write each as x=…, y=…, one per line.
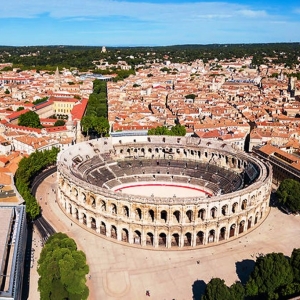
x=71, y=224
x=148, y=293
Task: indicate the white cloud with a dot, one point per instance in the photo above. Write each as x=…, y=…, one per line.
x=253, y=13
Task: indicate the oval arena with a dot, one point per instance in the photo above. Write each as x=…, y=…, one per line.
x=162, y=191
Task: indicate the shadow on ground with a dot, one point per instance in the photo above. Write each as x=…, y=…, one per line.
x=244, y=269
x=198, y=289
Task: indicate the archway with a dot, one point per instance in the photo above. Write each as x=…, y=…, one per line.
x=125, y=235
x=201, y=214
x=93, y=223
x=232, y=230
x=103, y=228
x=211, y=236
x=222, y=234
x=113, y=232
x=162, y=240
x=249, y=223
x=149, y=239
x=175, y=240
x=241, y=226
x=187, y=239
x=76, y=214
x=163, y=216
x=189, y=216
x=151, y=215
x=137, y=237
x=84, y=218
x=176, y=215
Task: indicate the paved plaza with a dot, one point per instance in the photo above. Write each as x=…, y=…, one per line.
x=127, y=272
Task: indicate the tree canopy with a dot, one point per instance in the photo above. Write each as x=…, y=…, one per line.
x=289, y=194
x=62, y=269
x=216, y=289
x=177, y=130
x=30, y=119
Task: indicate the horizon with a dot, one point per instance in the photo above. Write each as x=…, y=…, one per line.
x=151, y=23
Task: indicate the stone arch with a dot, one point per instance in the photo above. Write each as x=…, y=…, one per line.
x=241, y=226
x=187, y=240
x=213, y=212
x=222, y=235
x=150, y=239
x=175, y=240
x=84, y=218
x=93, y=201
x=244, y=204
x=211, y=236
x=249, y=224
x=76, y=214
x=137, y=237
x=224, y=210
x=232, y=230
x=103, y=228
x=83, y=197
x=138, y=214
x=93, y=223
x=151, y=215
x=234, y=207
x=176, y=216
x=113, y=232
x=256, y=217
x=103, y=205
x=125, y=235
x=201, y=214
x=189, y=216
x=70, y=209
x=199, y=238
x=164, y=216
x=113, y=208
x=126, y=211
x=162, y=240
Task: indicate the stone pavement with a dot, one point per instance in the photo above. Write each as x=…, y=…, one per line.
x=126, y=272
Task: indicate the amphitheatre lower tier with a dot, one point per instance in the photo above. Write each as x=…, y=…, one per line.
x=163, y=192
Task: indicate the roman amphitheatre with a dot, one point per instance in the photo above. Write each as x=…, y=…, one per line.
x=163, y=192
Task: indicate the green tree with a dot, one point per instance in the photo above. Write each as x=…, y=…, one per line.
x=295, y=263
x=101, y=126
x=59, y=123
x=30, y=119
x=20, y=108
x=237, y=291
x=7, y=92
x=288, y=194
x=62, y=269
x=216, y=289
x=271, y=272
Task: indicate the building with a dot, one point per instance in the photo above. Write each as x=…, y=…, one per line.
x=13, y=237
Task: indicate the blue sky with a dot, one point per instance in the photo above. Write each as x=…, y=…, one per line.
x=147, y=23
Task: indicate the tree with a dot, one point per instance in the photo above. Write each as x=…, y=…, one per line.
x=59, y=123
x=62, y=269
x=216, y=289
x=177, y=130
x=295, y=263
x=20, y=108
x=271, y=272
x=237, y=291
x=288, y=194
x=7, y=92
x=30, y=119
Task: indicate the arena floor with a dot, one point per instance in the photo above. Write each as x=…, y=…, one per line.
x=162, y=190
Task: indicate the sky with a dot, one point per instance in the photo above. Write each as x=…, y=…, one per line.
x=147, y=22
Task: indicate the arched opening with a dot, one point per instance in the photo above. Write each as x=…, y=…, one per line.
x=138, y=214
x=93, y=202
x=234, y=207
x=70, y=209
x=241, y=226
x=187, y=240
x=149, y=239
x=256, y=218
x=175, y=240
x=189, y=215
x=201, y=214
x=113, y=232
x=232, y=230
x=103, y=228
x=244, y=205
x=162, y=240
x=151, y=215
x=224, y=210
x=103, y=206
x=83, y=197
x=93, y=223
x=126, y=211
x=163, y=216
x=199, y=238
x=176, y=216
x=137, y=237
x=213, y=212
x=222, y=234
x=113, y=209
x=84, y=219
x=211, y=236
x=249, y=223
x=76, y=214
x=125, y=235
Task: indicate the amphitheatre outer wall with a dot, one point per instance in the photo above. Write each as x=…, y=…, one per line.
x=237, y=187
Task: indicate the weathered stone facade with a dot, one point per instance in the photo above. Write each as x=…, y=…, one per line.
x=238, y=187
